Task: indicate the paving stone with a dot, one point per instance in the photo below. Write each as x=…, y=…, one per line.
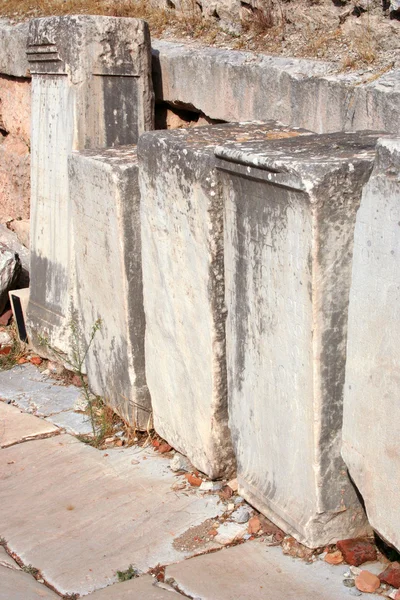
x=16, y=426
x=17, y=585
x=253, y=570
x=79, y=514
x=72, y=422
x=129, y=590
x=27, y=388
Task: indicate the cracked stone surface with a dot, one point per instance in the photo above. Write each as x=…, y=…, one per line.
x=79, y=514
x=16, y=426
x=143, y=588
x=26, y=387
x=17, y=585
x=255, y=570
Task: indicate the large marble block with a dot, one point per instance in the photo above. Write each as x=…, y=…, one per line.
x=183, y=280
x=371, y=420
x=105, y=201
x=91, y=88
x=290, y=208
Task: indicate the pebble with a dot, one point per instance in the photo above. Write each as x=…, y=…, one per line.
x=230, y=532
x=180, y=463
x=367, y=582
x=231, y=506
x=349, y=582
x=238, y=500
x=210, y=486
x=233, y=484
x=240, y=515
x=5, y=338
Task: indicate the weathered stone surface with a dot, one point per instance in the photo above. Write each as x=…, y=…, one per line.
x=27, y=388
x=233, y=86
x=290, y=208
x=72, y=422
x=21, y=228
x=13, y=41
x=183, y=279
x=118, y=509
x=105, y=200
x=17, y=585
x=253, y=570
x=10, y=270
x=10, y=240
x=91, y=87
x=357, y=552
x=16, y=426
x=371, y=412
x=143, y=588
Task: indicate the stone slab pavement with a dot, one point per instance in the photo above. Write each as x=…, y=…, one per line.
x=36, y=393
x=16, y=426
x=79, y=514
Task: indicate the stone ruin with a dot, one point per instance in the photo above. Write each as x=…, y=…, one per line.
x=234, y=312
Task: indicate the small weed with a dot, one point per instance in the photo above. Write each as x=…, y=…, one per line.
x=8, y=361
x=31, y=570
x=130, y=573
x=3, y=541
x=79, y=352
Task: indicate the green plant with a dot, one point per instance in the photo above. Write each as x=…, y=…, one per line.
x=3, y=541
x=79, y=352
x=31, y=570
x=129, y=573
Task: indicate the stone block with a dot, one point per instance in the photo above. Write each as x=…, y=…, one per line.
x=290, y=208
x=371, y=408
x=13, y=41
x=183, y=280
x=91, y=87
x=231, y=85
x=106, y=218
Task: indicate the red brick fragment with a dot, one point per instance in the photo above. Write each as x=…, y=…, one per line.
x=391, y=575
x=36, y=360
x=193, y=480
x=5, y=350
x=357, y=551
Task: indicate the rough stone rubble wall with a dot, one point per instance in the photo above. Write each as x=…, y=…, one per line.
x=15, y=109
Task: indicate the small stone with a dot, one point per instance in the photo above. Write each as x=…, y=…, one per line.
x=356, y=551
x=233, y=484
x=247, y=536
x=22, y=361
x=231, y=506
x=81, y=403
x=293, y=548
x=391, y=575
x=55, y=367
x=210, y=486
x=180, y=463
x=367, y=582
x=5, y=338
x=349, y=582
x=76, y=381
x=5, y=350
x=193, y=480
x=238, y=500
x=36, y=360
x=46, y=372
x=164, y=448
x=334, y=558
x=230, y=532
x=397, y=596
x=254, y=525
x=355, y=571
x=226, y=492
x=241, y=515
